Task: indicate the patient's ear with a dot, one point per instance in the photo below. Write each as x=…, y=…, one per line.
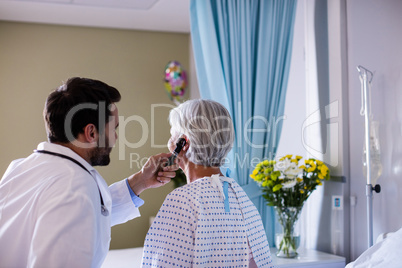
x=187, y=145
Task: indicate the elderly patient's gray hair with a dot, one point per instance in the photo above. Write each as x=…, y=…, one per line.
x=208, y=127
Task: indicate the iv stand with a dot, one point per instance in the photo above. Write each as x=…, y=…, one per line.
x=366, y=111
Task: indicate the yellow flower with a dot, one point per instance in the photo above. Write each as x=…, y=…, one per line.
x=277, y=187
x=309, y=162
x=324, y=170
x=275, y=175
x=312, y=166
x=272, y=180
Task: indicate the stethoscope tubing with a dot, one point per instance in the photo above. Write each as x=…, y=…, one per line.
x=104, y=210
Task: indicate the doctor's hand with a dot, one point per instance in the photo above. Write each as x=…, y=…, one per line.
x=153, y=174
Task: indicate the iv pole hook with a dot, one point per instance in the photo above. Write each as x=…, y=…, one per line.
x=363, y=70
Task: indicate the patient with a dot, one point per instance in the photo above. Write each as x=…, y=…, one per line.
x=210, y=222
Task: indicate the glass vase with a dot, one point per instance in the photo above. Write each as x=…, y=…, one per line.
x=287, y=236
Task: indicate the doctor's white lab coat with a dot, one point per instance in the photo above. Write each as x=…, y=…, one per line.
x=50, y=211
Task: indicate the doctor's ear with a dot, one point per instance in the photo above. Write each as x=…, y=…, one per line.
x=91, y=134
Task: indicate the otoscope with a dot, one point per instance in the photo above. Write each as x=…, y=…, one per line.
x=179, y=145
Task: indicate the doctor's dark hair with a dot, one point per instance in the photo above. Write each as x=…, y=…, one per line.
x=79, y=102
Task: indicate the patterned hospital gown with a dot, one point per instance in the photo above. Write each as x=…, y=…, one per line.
x=193, y=228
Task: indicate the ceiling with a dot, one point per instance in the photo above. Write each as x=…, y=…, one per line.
x=149, y=15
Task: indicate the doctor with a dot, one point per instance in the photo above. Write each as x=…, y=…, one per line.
x=56, y=210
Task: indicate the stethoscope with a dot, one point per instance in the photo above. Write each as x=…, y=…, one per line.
x=104, y=210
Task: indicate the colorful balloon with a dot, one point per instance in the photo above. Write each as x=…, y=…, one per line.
x=175, y=81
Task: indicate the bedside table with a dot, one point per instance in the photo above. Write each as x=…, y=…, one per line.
x=309, y=258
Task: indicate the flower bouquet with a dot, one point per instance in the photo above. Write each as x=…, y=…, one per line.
x=286, y=186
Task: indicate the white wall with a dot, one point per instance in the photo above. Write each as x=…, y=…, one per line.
x=295, y=105
x=374, y=41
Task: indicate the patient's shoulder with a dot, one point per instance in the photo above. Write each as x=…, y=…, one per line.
x=191, y=193
x=186, y=191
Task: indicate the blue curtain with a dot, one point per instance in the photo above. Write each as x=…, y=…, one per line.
x=242, y=52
